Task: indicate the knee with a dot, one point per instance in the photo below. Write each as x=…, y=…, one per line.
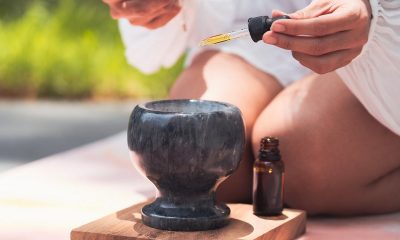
x=191, y=83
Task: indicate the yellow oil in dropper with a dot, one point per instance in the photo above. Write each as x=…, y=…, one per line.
x=215, y=39
x=224, y=37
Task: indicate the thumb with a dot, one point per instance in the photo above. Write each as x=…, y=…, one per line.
x=315, y=9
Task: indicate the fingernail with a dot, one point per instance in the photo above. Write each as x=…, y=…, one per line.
x=277, y=27
x=270, y=40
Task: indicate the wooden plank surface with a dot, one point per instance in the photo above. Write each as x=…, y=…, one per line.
x=127, y=225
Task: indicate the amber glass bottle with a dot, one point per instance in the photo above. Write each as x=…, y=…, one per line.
x=268, y=177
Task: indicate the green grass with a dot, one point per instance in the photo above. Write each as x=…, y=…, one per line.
x=69, y=49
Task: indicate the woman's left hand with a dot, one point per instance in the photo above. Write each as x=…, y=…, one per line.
x=324, y=36
x=151, y=14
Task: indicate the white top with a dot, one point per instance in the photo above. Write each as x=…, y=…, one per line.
x=374, y=76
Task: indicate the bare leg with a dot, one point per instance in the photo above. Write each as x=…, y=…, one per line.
x=228, y=78
x=339, y=159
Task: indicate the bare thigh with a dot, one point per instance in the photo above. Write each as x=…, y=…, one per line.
x=228, y=78
x=339, y=159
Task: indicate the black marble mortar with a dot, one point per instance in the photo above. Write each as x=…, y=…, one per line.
x=186, y=148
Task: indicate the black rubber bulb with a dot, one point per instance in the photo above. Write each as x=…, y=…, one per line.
x=260, y=25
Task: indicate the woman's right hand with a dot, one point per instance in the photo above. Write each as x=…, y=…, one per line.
x=151, y=14
x=324, y=36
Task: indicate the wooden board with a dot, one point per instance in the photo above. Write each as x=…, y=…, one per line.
x=127, y=225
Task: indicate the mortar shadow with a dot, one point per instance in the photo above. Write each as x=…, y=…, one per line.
x=234, y=230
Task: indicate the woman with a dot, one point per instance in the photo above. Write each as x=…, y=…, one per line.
x=339, y=128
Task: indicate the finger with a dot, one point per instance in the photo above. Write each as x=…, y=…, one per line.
x=114, y=13
x=163, y=19
x=157, y=21
x=132, y=9
x=139, y=21
x=316, y=46
x=109, y=2
x=140, y=7
x=277, y=13
x=173, y=5
x=319, y=26
x=314, y=9
x=328, y=62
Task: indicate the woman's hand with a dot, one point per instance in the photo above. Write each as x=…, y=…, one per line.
x=324, y=36
x=151, y=14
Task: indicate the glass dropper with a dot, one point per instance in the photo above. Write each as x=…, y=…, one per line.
x=257, y=26
x=225, y=37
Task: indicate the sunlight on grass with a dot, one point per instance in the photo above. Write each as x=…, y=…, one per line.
x=71, y=50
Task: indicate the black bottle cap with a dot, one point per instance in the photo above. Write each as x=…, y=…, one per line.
x=260, y=25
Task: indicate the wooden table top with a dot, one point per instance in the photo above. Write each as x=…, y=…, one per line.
x=46, y=199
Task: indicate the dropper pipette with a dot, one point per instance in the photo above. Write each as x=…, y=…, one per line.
x=225, y=37
x=257, y=26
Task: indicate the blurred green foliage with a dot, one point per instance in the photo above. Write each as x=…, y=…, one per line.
x=69, y=49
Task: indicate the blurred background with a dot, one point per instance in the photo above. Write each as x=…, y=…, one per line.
x=64, y=80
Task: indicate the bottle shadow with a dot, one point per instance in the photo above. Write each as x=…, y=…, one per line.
x=274, y=218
